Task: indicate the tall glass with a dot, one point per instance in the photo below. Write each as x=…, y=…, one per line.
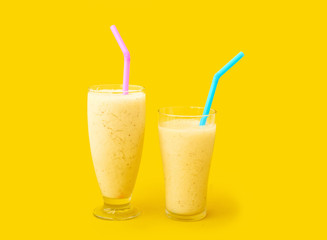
x=186, y=150
x=116, y=128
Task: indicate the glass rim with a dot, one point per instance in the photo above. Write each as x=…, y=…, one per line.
x=114, y=88
x=212, y=111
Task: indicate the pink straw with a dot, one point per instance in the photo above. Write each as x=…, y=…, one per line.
x=127, y=58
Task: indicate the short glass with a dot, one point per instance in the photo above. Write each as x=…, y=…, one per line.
x=116, y=124
x=186, y=151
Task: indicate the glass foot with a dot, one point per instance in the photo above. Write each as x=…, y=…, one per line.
x=187, y=218
x=116, y=214
x=116, y=210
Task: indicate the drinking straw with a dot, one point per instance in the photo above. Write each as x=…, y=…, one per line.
x=214, y=86
x=127, y=58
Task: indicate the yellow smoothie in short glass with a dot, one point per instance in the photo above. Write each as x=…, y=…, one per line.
x=186, y=150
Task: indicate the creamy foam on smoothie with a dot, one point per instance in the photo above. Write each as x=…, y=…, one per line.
x=186, y=150
x=116, y=130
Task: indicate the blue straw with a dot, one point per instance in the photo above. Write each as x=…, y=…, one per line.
x=214, y=85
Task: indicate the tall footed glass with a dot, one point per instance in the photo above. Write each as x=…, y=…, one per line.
x=116, y=124
x=186, y=150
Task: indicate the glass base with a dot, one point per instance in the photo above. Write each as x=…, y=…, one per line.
x=186, y=218
x=116, y=210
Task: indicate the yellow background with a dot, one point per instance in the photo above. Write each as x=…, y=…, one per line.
x=268, y=174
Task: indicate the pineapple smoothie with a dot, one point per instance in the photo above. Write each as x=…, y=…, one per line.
x=116, y=129
x=186, y=150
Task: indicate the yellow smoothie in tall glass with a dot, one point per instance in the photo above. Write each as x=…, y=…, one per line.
x=116, y=128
